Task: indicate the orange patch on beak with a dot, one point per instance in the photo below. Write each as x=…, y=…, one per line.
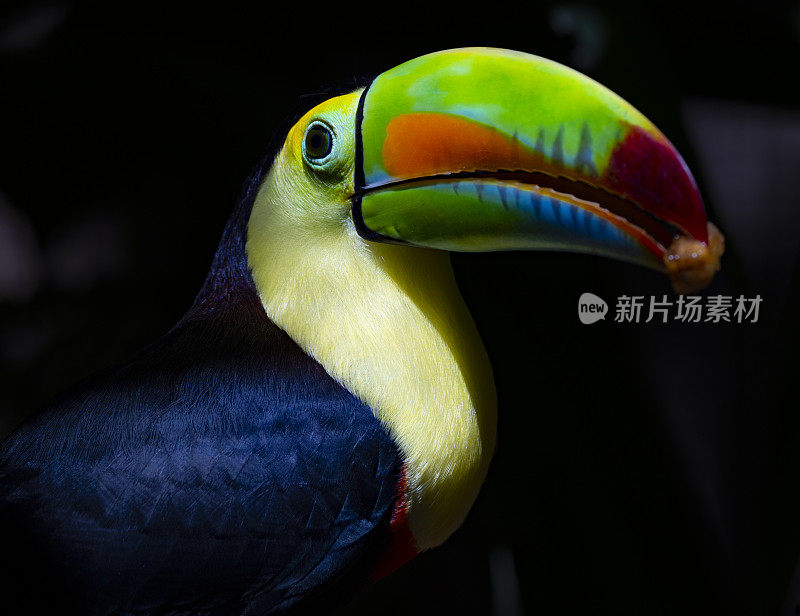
x=425, y=144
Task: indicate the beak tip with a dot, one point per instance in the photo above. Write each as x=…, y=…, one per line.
x=691, y=264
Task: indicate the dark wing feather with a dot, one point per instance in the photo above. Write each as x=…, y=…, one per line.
x=221, y=471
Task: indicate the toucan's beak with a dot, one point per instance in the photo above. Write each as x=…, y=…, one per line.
x=488, y=149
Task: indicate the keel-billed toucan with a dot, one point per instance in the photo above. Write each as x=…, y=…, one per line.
x=326, y=410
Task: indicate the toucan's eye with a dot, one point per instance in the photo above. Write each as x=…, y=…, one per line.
x=318, y=143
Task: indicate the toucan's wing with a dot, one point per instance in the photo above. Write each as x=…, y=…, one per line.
x=222, y=471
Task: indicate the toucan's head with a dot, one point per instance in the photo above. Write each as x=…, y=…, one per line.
x=488, y=149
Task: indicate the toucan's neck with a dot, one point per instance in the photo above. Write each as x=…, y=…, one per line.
x=389, y=324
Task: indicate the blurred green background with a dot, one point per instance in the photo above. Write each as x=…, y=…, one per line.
x=642, y=468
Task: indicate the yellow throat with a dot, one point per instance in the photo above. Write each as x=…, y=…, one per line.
x=385, y=321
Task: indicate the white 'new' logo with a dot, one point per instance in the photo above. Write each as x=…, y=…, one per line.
x=591, y=308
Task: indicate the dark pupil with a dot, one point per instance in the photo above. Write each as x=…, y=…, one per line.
x=318, y=143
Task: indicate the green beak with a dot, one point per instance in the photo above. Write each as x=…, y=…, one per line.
x=487, y=149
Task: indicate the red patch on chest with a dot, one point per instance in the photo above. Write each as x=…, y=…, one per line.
x=400, y=545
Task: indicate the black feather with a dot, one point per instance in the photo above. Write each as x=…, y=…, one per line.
x=220, y=471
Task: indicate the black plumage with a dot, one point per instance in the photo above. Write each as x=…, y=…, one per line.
x=220, y=471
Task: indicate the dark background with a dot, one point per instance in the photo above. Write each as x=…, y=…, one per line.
x=640, y=468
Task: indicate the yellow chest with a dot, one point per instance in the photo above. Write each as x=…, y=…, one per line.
x=389, y=324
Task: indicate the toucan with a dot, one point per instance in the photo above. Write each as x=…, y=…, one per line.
x=326, y=410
